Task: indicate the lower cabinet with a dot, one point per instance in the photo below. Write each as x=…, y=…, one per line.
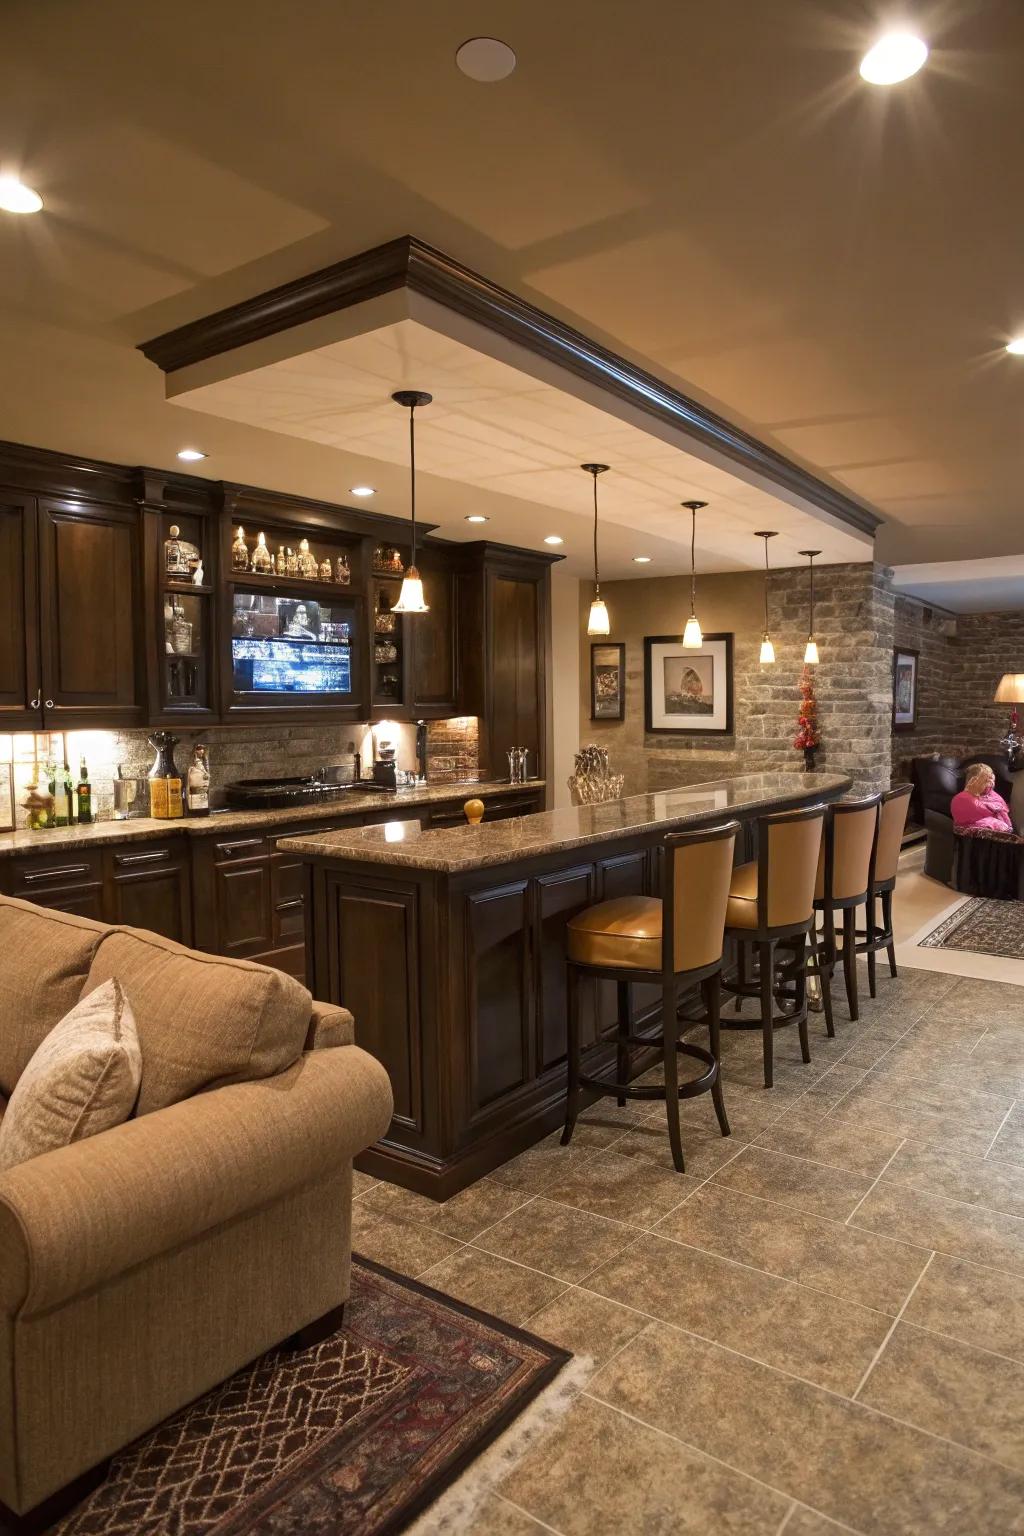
x=144, y=884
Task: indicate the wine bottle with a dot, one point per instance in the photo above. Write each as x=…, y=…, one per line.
x=199, y=782
x=84, y=793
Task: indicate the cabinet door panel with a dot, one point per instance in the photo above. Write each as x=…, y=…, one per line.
x=244, y=925
x=515, y=641
x=152, y=895
x=87, y=901
x=558, y=897
x=498, y=992
x=434, y=643
x=89, y=632
x=19, y=626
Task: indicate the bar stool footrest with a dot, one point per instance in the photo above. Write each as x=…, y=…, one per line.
x=648, y=1091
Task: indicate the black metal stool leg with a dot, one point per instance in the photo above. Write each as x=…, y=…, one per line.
x=766, y=964
x=669, y=1029
x=871, y=931
x=890, y=948
x=712, y=990
x=824, y=978
x=850, y=959
x=801, y=999
x=572, y=1097
x=625, y=1028
x=741, y=971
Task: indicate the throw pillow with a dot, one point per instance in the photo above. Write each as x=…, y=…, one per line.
x=83, y=1078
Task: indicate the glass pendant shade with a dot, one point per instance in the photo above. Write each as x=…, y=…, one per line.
x=599, y=623
x=410, y=599
x=767, y=651
x=692, y=637
x=811, y=652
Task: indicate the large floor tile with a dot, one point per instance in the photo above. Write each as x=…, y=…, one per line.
x=794, y=1181
x=602, y=1474
x=981, y=1306
x=858, y=1149
x=964, y=1231
x=807, y=1522
x=703, y=1153
x=1009, y=1143
x=498, y=1517
x=853, y=1265
x=494, y=1285
x=590, y=1326
x=879, y=1477
x=562, y=1241
x=628, y=1189
x=976, y=1180
x=972, y=1107
x=917, y=1124
x=537, y=1166
x=953, y=1389
x=825, y=1340
x=465, y=1215
x=404, y=1245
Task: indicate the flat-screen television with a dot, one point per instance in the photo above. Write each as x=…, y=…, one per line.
x=290, y=645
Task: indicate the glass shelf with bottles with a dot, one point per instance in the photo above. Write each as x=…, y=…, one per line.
x=280, y=558
x=388, y=671
x=187, y=625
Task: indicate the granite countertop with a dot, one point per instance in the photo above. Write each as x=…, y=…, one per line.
x=454, y=850
x=353, y=803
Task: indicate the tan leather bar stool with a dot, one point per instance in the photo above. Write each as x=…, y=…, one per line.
x=675, y=942
x=892, y=821
x=842, y=885
x=771, y=901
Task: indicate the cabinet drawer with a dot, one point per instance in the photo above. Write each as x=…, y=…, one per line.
x=56, y=871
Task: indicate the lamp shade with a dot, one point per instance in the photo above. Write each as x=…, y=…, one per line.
x=1011, y=688
x=599, y=623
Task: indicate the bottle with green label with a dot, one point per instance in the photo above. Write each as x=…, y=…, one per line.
x=83, y=793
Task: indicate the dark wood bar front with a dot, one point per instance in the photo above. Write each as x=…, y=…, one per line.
x=448, y=946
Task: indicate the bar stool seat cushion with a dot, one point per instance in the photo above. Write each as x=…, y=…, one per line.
x=623, y=933
x=742, y=909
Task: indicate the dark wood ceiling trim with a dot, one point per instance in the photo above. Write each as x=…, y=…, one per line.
x=409, y=263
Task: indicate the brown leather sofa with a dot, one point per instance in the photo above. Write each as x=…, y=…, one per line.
x=936, y=780
x=141, y=1267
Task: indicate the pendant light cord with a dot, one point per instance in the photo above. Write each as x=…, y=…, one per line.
x=766, y=586
x=810, y=632
x=693, y=562
x=412, y=472
x=597, y=579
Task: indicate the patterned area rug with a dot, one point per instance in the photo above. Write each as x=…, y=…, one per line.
x=982, y=927
x=355, y=1435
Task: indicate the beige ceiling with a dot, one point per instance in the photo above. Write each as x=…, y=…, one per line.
x=709, y=190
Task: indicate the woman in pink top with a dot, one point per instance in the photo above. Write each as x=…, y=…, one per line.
x=979, y=805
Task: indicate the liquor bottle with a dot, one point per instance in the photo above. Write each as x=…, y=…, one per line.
x=343, y=571
x=262, y=559
x=240, y=552
x=62, y=790
x=199, y=782
x=291, y=562
x=38, y=802
x=307, y=561
x=325, y=568
x=165, y=797
x=282, y=563
x=175, y=559
x=84, y=793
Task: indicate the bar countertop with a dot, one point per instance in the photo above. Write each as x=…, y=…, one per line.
x=456, y=850
x=351, y=803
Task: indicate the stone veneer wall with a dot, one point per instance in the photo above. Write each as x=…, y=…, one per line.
x=962, y=658
x=853, y=682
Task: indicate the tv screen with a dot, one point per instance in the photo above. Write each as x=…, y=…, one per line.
x=289, y=666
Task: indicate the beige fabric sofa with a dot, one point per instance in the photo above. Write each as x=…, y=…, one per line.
x=142, y=1267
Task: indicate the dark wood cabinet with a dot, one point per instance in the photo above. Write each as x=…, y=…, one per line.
x=434, y=641
x=149, y=886
x=20, y=677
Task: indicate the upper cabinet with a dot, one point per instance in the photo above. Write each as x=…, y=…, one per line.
x=69, y=615
x=435, y=639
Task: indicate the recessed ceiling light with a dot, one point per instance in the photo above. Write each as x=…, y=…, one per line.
x=553, y=538
x=1016, y=346
x=477, y=517
x=485, y=59
x=895, y=57
x=641, y=559
x=190, y=454
x=15, y=197
x=361, y=490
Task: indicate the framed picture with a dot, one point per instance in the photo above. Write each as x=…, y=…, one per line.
x=6, y=797
x=688, y=691
x=904, y=688
x=607, y=682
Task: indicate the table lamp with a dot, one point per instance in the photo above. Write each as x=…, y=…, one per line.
x=1011, y=691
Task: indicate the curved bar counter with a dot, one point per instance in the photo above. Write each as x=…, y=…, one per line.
x=448, y=946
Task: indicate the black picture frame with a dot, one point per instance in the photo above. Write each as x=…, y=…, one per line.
x=905, y=663
x=604, y=705
x=716, y=647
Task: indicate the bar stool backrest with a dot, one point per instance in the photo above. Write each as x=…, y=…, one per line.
x=695, y=893
x=849, y=843
x=787, y=863
x=892, y=822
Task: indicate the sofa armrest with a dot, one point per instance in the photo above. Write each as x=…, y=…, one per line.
x=329, y=1025
x=78, y=1216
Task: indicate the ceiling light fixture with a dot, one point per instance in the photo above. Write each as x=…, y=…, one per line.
x=1016, y=346
x=599, y=622
x=362, y=490
x=15, y=197
x=811, y=648
x=190, y=455
x=641, y=559
x=553, y=538
x=477, y=517
x=895, y=57
x=485, y=59
x=767, y=656
x=692, y=637
x=410, y=598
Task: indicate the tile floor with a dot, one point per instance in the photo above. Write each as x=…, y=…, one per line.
x=818, y=1328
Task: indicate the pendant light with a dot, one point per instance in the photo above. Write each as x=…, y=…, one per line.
x=692, y=637
x=599, y=622
x=767, y=656
x=811, y=650
x=410, y=599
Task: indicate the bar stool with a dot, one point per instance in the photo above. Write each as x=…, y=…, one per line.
x=771, y=900
x=675, y=942
x=892, y=821
x=842, y=885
